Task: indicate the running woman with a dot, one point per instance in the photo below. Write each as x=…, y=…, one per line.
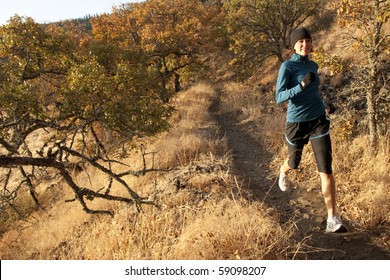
x=298, y=84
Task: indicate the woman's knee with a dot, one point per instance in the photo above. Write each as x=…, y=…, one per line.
x=294, y=160
x=293, y=164
x=328, y=183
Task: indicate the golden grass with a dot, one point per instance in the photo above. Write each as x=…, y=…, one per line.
x=233, y=229
x=203, y=217
x=362, y=178
x=256, y=105
x=182, y=229
x=364, y=181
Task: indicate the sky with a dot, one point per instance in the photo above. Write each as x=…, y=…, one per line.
x=45, y=11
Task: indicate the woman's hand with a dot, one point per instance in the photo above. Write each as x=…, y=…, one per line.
x=329, y=107
x=307, y=79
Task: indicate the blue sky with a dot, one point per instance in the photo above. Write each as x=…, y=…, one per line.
x=53, y=10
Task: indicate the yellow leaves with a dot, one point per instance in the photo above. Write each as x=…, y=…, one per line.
x=352, y=11
x=332, y=63
x=343, y=127
x=370, y=18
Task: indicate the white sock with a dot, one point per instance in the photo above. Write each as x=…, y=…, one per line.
x=330, y=219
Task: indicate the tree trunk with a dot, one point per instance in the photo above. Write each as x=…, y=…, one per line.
x=163, y=91
x=372, y=93
x=371, y=112
x=374, y=86
x=177, y=83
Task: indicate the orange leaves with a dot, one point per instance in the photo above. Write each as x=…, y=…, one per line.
x=174, y=26
x=171, y=35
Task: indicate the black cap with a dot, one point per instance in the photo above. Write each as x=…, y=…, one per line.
x=299, y=34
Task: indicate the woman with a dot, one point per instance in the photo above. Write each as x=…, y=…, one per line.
x=298, y=83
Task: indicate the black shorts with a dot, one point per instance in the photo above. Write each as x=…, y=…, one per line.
x=317, y=131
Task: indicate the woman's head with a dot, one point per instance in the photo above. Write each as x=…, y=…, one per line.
x=300, y=40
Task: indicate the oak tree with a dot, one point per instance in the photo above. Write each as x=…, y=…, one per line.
x=370, y=20
x=174, y=35
x=262, y=28
x=57, y=94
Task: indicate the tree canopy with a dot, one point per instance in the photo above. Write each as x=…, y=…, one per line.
x=53, y=84
x=260, y=29
x=173, y=35
x=369, y=19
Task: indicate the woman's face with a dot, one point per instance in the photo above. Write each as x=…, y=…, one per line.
x=303, y=47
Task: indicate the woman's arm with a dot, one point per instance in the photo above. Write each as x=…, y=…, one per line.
x=283, y=93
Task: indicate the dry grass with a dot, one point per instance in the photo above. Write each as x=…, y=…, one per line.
x=194, y=134
x=362, y=178
x=363, y=186
x=201, y=214
x=214, y=229
x=364, y=181
x=233, y=229
x=204, y=216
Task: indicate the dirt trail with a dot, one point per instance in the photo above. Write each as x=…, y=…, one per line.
x=304, y=208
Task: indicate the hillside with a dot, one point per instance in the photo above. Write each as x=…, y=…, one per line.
x=191, y=198
x=254, y=143
x=213, y=173
x=221, y=200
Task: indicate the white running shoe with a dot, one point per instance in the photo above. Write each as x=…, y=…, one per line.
x=335, y=225
x=282, y=181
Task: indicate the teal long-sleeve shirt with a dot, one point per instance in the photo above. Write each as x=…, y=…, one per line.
x=303, y=105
